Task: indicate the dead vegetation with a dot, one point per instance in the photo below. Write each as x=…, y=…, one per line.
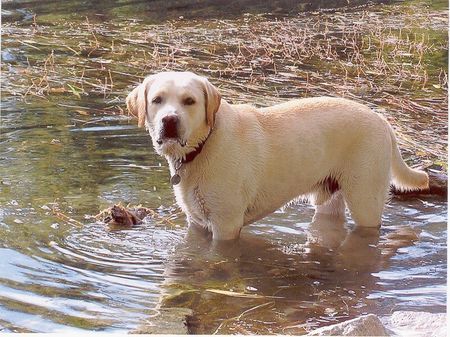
x=119, y=216
x=393, y=58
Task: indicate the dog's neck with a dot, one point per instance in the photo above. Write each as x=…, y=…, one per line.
x=189, y=157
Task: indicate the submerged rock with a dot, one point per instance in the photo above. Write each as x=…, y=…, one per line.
x=168, y=321
x=368, y=325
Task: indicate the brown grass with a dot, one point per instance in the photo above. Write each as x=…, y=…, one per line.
x=375, y=55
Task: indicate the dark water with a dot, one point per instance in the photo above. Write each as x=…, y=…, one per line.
x=63, y=158
x=155, y=11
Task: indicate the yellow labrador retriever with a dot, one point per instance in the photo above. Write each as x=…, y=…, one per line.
x=234, y=164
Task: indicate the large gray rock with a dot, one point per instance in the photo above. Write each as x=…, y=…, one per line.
x=417, y=324
x=369, y=325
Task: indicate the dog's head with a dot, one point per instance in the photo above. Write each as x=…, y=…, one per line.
x=177, y=108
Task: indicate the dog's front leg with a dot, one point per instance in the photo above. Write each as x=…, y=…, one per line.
x=227, y=227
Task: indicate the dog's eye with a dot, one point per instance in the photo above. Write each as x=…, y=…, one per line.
x=157, y=100
x=188, y=101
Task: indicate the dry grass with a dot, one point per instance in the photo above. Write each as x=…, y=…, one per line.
x=391, y=57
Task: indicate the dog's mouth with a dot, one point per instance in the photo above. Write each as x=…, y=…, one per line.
x=171, y=147
x=170, y=141
x=169, y=134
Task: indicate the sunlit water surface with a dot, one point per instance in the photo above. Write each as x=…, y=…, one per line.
x=59, y=275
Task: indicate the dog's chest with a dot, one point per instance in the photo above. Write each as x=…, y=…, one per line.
x=193, y=203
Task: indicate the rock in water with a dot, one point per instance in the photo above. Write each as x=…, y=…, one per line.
x=169, y=321
x=417, y=324
x=368, y=325
x=120, y=216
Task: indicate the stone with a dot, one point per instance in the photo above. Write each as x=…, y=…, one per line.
x=417, y=324
x=168, y=321
x=368, y=325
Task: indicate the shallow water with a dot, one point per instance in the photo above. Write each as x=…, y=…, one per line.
x=61, y=271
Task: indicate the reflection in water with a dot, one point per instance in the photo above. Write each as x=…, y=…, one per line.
x=282, y=287
x=90, y=278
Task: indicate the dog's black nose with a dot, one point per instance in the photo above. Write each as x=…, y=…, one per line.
x=170, y=126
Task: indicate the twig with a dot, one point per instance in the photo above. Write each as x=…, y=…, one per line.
x=65, y=217
x=237, y=318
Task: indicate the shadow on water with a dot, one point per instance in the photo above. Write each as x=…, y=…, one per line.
x=67, y=151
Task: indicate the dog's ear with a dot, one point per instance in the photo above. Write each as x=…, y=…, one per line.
x=137, y=101
x=212, y=101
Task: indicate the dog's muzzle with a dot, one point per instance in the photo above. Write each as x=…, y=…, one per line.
x=170, y=127
x=169, y=131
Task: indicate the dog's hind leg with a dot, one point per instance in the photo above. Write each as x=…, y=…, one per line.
x=366, y=195
x=335, y=205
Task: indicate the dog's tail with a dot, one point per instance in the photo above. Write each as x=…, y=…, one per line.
x=403, y=177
